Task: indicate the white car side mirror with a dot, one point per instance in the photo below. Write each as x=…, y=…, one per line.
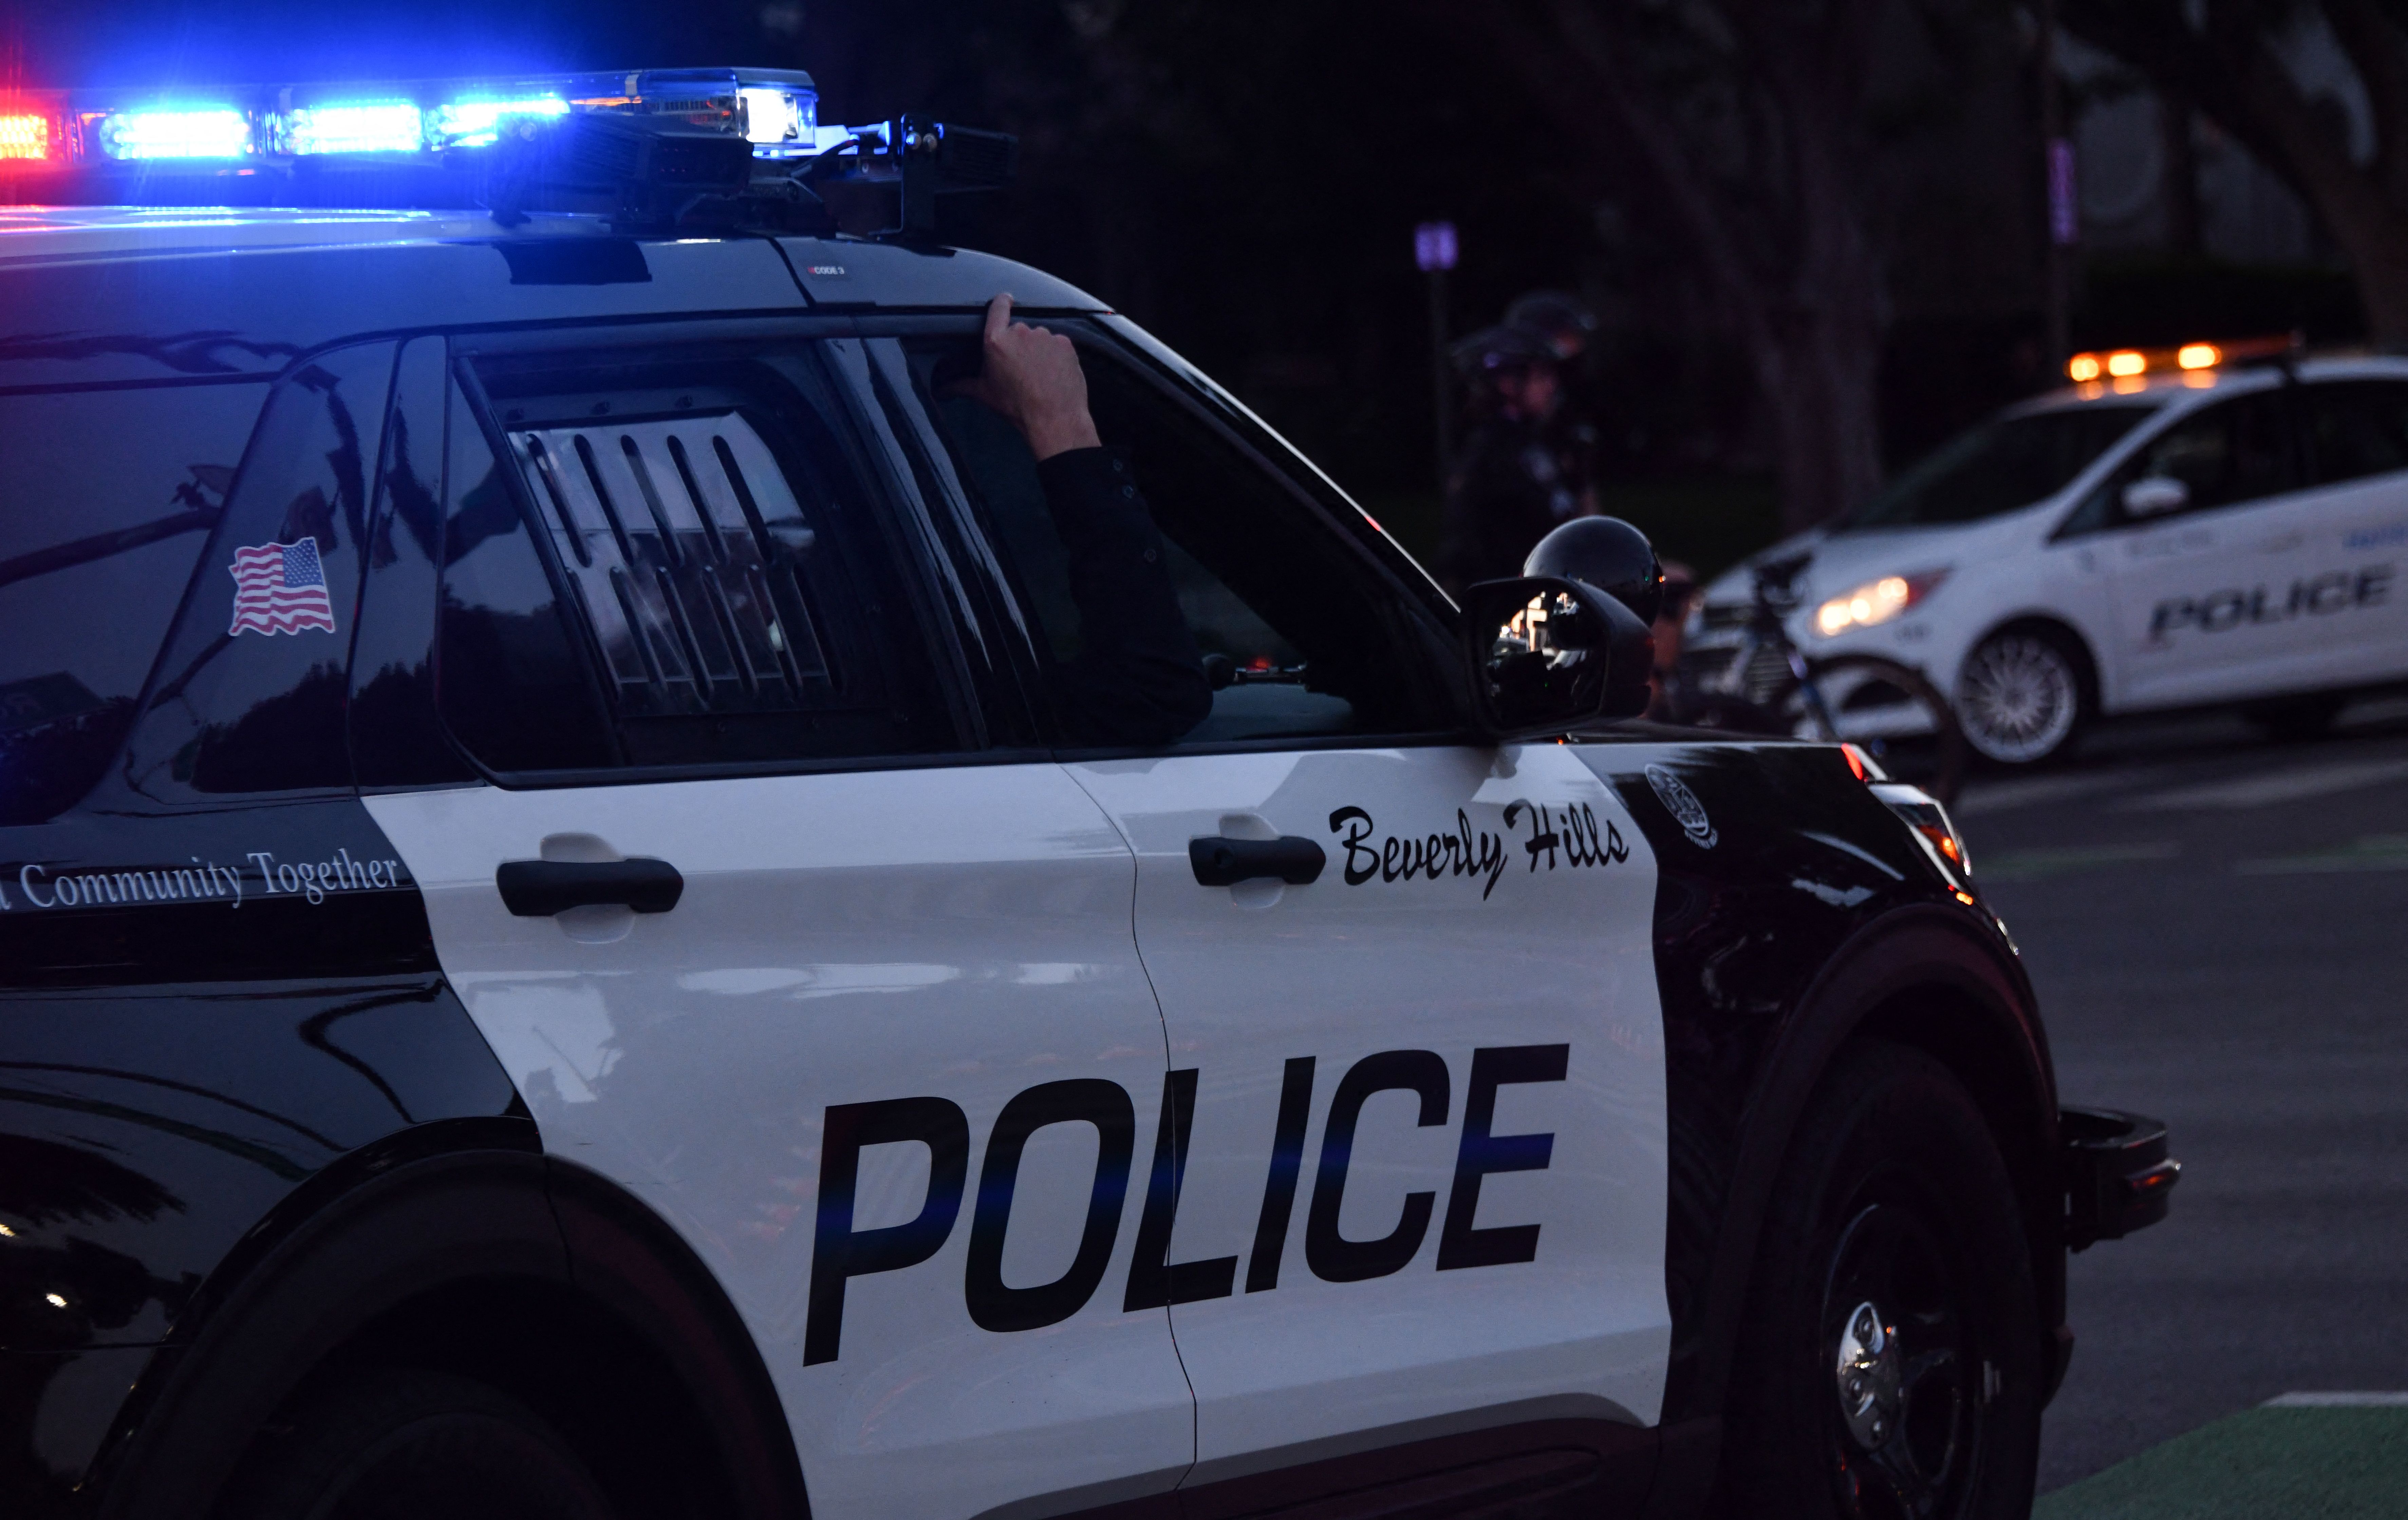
x=2154, y=496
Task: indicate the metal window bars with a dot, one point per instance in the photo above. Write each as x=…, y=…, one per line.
x=686, y=546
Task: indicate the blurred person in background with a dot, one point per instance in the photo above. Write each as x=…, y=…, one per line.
x=1567, y=328
x=1680, y=595
x=1510, y=484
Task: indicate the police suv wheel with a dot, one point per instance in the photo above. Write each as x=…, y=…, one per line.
x=404, y=1445
x=2020, y=698
x=1890, y=1367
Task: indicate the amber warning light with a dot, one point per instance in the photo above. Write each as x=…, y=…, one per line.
x=2131, y=364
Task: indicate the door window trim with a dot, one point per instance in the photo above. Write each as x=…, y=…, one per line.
x=1175, y=390
x=912, y=546
x=2148, y=436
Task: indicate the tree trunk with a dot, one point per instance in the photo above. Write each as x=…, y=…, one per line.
x=2230, y=72
x=1828, y=329
x=1818, y=378
x=2371, y=227
x=2374, y=238
x=1812, y=327
x=2185, y=231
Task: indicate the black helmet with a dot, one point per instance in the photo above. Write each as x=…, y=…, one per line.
x=1608, y=554
x=1557, y=320
x=1494, y=351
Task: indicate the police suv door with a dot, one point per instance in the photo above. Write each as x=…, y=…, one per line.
x=1417, y=1183
x=768, y=928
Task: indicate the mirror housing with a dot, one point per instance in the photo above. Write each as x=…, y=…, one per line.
x=1551, y=656
x=2154, y=496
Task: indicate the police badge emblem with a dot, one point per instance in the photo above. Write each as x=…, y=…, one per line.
x=1683, y=806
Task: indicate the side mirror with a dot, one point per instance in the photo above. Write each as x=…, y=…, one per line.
x=1553, y=656
x=2154, y=496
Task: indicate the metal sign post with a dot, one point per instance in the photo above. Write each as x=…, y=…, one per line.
x=1434, y=251
x=2064, y=210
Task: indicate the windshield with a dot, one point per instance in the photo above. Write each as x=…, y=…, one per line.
x=2006, y=463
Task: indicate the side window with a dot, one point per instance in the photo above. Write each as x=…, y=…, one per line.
x=107, y=501
x=2355, y=428
x=1299, y=638
x=673, y=558
x=250, y=696
x=2233, y=452
x=511, y=681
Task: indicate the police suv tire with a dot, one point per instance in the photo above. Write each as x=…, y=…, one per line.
x=407, y=1444
x=1893, y=1194
x=2023, y=696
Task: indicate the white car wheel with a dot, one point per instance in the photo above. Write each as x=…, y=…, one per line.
x=2019, y=698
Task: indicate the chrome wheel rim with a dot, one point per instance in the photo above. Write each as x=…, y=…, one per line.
x=2018, y=698
x=1902, y=1364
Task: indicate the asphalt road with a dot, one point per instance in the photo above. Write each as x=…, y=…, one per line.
x=2217, y=927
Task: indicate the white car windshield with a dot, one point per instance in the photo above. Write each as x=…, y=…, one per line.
x=2003, y=464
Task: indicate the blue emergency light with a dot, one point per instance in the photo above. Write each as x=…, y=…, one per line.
x=776, y=110
x=645, y=146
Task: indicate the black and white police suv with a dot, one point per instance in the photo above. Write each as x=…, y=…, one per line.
x=618, y=897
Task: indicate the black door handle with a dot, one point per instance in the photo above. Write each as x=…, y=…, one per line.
x=540, y=888
x=1220, y=862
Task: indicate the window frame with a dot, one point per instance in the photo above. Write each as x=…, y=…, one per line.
x=2148, y=437
x=1015, y=627
x=2306, y=398
x=901, y=531
x=186, y=590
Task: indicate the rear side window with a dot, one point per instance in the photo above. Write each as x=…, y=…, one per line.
x=684, y=545
x=2225, y=456
x=105, y=508
x=250, y=692
x=2355, y=428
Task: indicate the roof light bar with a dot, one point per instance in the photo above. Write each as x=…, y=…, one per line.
x=777, y=111
x=656, y=148
x=2130, y=363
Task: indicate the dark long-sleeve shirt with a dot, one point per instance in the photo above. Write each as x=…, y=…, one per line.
x=1137, y=679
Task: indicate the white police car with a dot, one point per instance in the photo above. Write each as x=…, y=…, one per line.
x=2175, y=531
x=618, y=897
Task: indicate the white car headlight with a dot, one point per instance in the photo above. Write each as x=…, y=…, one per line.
x=1875, y=602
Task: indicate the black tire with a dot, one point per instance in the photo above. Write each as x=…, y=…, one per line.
x=1936, y=762
x=1894, y=1221
x=2024, y=696
x=2294, y=718
x=402, y=1445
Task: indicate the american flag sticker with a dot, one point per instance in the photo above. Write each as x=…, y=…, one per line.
x=280, y=588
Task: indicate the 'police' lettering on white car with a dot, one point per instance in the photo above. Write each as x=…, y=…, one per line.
x=2336, y=591
x=840, y=1253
